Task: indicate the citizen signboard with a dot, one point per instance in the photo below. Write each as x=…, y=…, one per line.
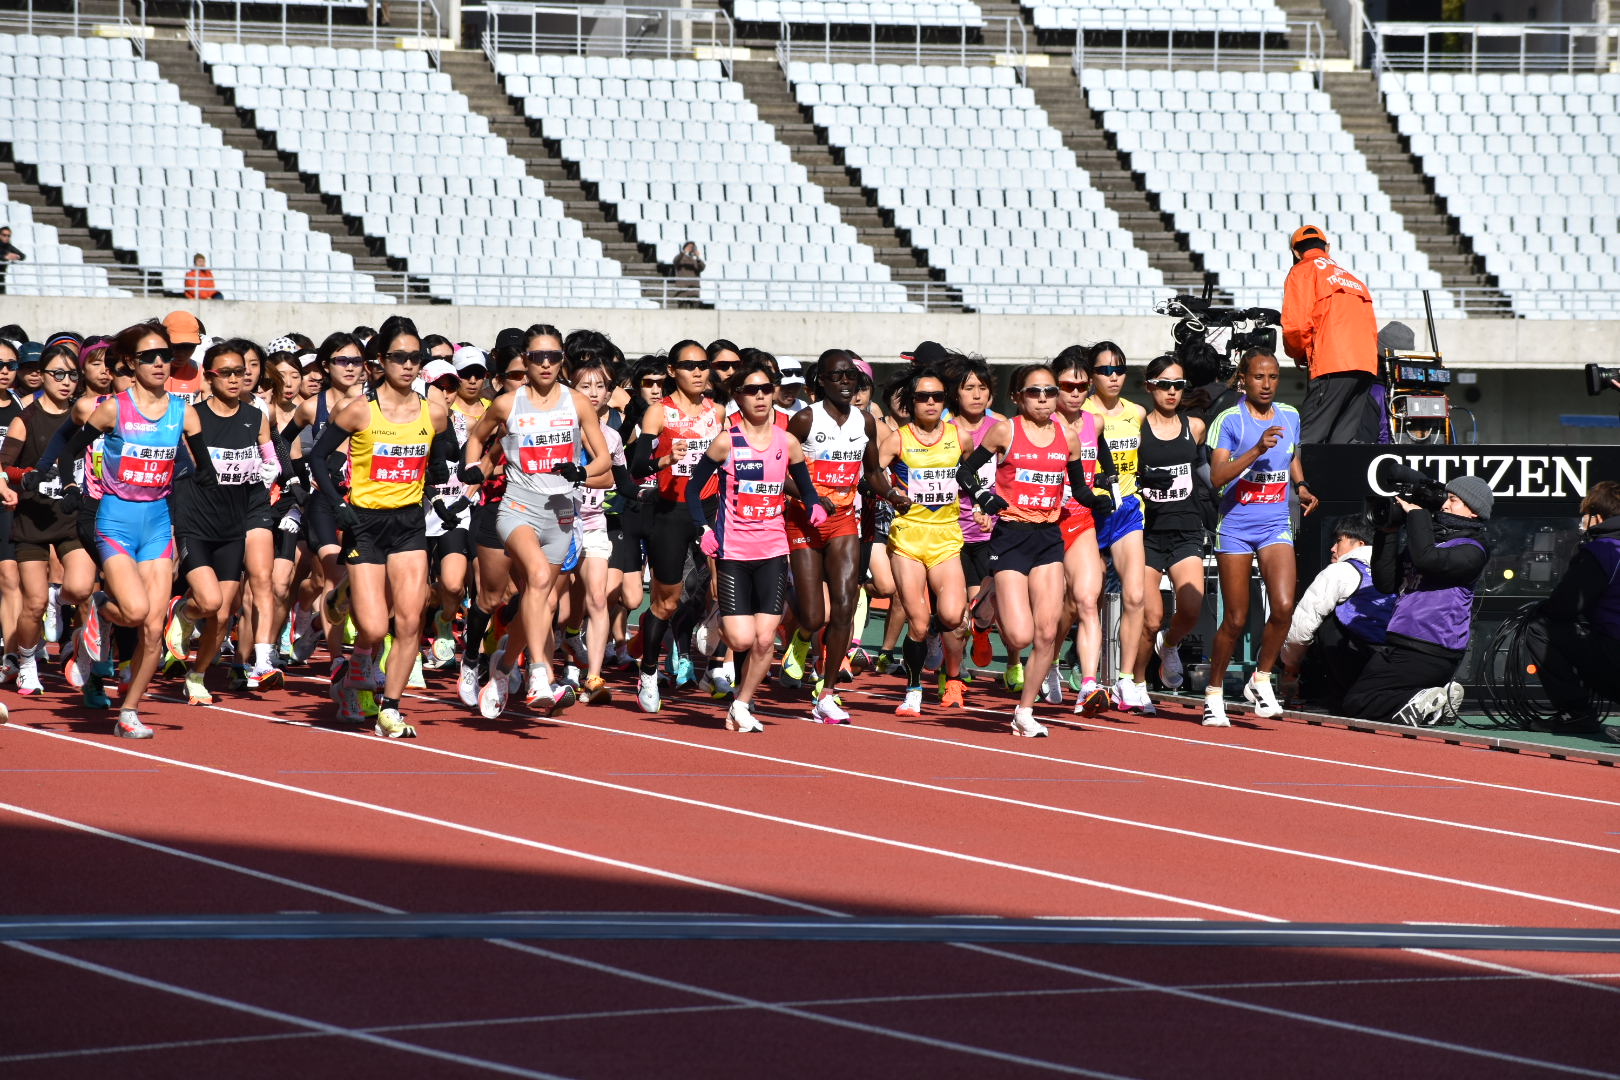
x=1539, y=480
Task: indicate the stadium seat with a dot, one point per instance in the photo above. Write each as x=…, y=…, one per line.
x=1528, y=164
x=1158, y=15
x=951, y=13
x=52, y=267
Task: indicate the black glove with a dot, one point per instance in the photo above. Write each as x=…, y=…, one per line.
x=989, y=502
x=71, y=498
x=471, y=475
x=1155, y=479
x=449, y=512
x=648, y=495
x=295, y=490
x=347, y=519
x=33, y=478
x=571, y=471
x=1100, y=503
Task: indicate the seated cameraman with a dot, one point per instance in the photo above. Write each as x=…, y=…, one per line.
x=1408, y=679
x=1339, y=619
x=1575, y=636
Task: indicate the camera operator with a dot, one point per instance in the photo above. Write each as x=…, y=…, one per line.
x=1339, y=619
x=1409, y=678
x=1328, y=327
x=1575, y=635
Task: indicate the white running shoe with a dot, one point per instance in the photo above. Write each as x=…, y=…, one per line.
x=1263, y=696
x=647, y=692
x=1426, y=707
x=1451, y=707
x=828, y=711
x=1215, y=711
x=1143, y=703
x=467, y=685
x=1123, y=695
x=28, y=684
x=912, y=705
x=539, y=694
x=129, y=726
x=1171, y=671
x=391, y=725
x=492, y=698
x=1052, y=687
x=741, y=718
x=1025, y=724
x=1092, y=700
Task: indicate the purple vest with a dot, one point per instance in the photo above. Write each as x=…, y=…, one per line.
x=1606, y=550
x=1438, y=614
x=1365, y=613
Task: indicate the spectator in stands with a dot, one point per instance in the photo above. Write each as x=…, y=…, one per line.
x=790, y=392
x=8, y=255
x=1328, y=328
x=200, y=281
x=185, y=334
x=688, y=268
x=1339, y=619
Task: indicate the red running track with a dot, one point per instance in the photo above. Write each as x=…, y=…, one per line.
x=245, y=808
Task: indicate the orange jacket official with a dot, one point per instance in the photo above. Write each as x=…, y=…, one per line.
x=1327, y=318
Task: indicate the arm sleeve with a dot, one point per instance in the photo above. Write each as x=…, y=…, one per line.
x=58, y=444
x=1105, y=457
x=10, y=451
x=201, y=460
x=706, y=467
x=291, y=431
x=967, y=473
x=320, y=469
x=1335, y=584
x=1459, y=564
x=283, y=454
x=77, y=444
x=441, y=453
x=642, y=462
x=800, y=474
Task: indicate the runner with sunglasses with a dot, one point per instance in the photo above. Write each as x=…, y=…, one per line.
x=970, y=394
x=747, y=540
x=841, y=445
x=11, y=407
x=450, y=505
x=546, y=425
x=45, y=524
x=397, y=444
x=675, y=433
x=1173, y=533
x=224, y=528
x=143, y=429
x=1035, y=455
x=925, y=537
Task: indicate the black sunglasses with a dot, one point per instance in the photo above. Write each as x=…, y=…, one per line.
x=229, y=372
x=470, y=374
x=155, y=356
x=1045, y=391
x=755, y=389
x=8, y=365
x=690, y=365
x=928, y=395
x=345, y=361
x=1168, y=384
x=1110, y=369
x=405, y=359
x=514, y=375
x=651, y=383
x=544, y=356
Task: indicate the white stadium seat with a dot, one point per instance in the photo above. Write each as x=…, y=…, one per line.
x=1202, y=16
x=952, y=13
x=52, y=268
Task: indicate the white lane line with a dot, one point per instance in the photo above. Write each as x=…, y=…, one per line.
x=1543, y=976
x=1117, y=981
x=1290, y=1014
x=1252, y=845
x=278, y=1016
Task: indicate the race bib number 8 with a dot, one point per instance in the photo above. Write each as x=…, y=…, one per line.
x=398, y=463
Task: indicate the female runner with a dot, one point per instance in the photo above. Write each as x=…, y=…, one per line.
x=1173, y=533
x=925, y=538
x=1252, y=458
x=44, y=523
x=1034, y=456
x=1082, y=560
x=393, y=434
x=596, y=576
x=494, y=589
x=970, y=394
x=143, y=428
x=450, y=520
x=546, y=424
x=11, y=407
x=1120, y=533
x=747, y=540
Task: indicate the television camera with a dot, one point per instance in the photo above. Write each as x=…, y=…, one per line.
x=1210, y=339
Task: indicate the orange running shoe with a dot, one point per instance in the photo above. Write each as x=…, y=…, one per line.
x=952, y=695
x=983, y=653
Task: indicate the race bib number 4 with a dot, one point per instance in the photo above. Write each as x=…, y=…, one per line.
x=840, y=469
x=1263, y=487
x=398, y=463
x=146, y=466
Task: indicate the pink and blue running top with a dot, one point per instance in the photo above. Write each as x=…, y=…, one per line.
x=138, y=456
x=752, y=497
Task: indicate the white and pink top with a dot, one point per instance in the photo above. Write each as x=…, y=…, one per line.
x=752, y=497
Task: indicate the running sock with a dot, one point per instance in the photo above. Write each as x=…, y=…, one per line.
x=261, y=656
x=477, y=624
x=1262, y=676
x=388, y=703
x=653, y=630
x=914, y=653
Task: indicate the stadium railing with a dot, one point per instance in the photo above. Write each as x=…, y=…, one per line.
x=1232, y=50
x=29, y=17
x=593, y=30
x=201, y=26
x=1569, y=48
x=483, y=290
x=814, y=41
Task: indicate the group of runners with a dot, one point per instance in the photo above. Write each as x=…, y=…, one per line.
x=396, y=501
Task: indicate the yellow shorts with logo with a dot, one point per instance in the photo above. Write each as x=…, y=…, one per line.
x=925, y=542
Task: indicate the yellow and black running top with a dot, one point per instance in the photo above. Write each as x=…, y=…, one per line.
x=388, y=460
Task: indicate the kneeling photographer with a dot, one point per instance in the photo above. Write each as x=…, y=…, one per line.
x=1574, y=636
x=1408, y=679
x=1338, y=620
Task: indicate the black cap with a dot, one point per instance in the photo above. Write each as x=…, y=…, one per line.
x=511, y=338
x=928, y=354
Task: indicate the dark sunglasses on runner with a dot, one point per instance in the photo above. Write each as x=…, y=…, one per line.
x=550, y=357
x=346, y=361
x=690, y=365
x=155, y=356
x=1110, y=369
x=229, y=372
x=1070, y=387
x=1044, y=391
x=928, y=395
x=651, y=382
x=405, y=359
x=63, y=374
x=1168, y=384
x=754, y=389
x=514, y=375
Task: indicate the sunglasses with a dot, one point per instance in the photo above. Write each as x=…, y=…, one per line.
x=1069, y=387
x=544, y=356
x=63, y=374
x=723, y=365
x=472, y=374
x=229, y=372
x=690, y=365
x=650, y=384
x=755, y=389
x=928, y=396
x=515, y=374
x=1046, y=391
x=841, y=375
x=1111, y=369
x=345, y=361
x=1168, y=384
x=8, y=365
x=405, y=359
x=155, y=356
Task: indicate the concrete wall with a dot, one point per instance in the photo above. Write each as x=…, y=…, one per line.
x=1526, y=370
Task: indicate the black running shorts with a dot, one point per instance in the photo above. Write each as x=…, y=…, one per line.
x=752, y=587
